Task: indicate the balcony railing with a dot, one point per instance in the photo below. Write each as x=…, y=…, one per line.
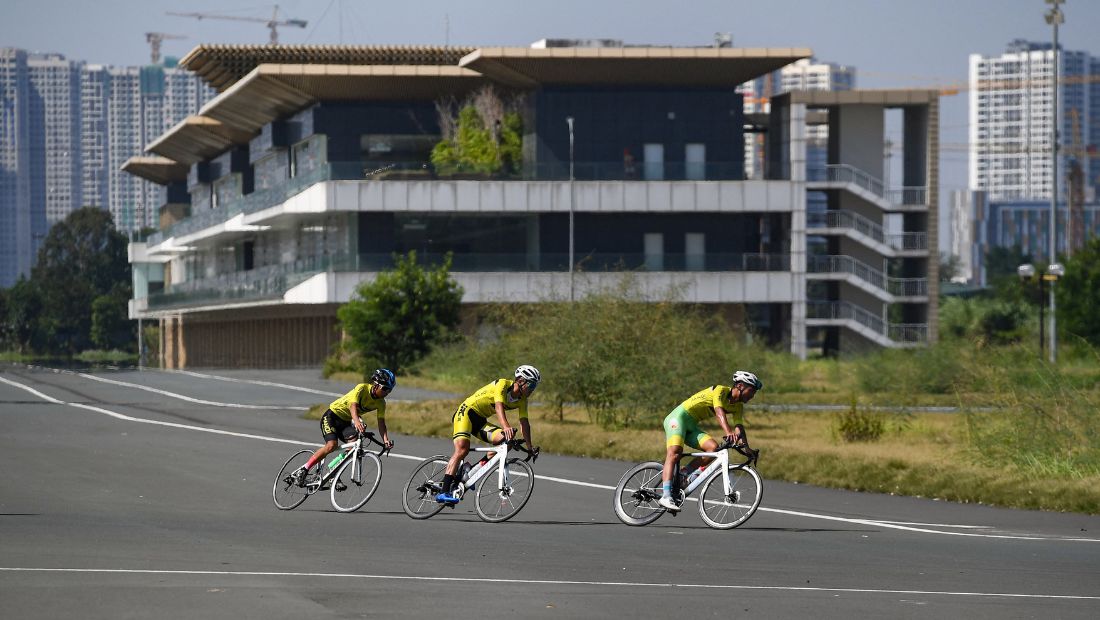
x=853, y=221
x=844, y=173
x=272, y=281
x=382, y=170
x=843, y=310
x=900, y=287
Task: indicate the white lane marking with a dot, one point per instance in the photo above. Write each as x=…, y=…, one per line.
x=255, y=382
x=870, y=522
x=199, y=401
x=496, y=582
x=962, y=527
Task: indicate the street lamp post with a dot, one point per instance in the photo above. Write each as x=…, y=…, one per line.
x=572, y=198
x=1054, y=17
x=1026, y=273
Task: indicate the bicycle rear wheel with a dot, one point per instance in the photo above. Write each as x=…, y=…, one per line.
x=496, y=503
x=425, y=482
x=722, y=511
x=637, y=493
x=286, y=492
x=356, y=481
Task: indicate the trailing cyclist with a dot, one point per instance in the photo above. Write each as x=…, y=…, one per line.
x=472, y=419
x=343, y=418
x=682, y=426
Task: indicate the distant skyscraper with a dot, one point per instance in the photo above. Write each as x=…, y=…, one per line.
x=15, y=199
x=66, y=128
x=1011, y=115
x=805, y=74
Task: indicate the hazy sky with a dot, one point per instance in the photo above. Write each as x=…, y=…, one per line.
x=892, y=43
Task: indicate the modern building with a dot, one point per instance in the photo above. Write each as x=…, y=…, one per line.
x=1011, y=105
x=804, y=74
x=67, y=129
x=312, y=166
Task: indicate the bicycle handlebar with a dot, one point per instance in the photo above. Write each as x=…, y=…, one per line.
x=370, y=437
x=517, y=444
x=753, y=456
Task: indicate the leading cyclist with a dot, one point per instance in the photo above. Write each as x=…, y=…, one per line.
x=472, y=418
x=342, y=418
x=682, y=426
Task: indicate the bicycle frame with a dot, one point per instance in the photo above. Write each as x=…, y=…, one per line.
x=497, y=461
x=347, y=450
x=722, y=461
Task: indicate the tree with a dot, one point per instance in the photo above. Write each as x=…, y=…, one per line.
x=111, y=327
x=1078, y=293
x=484, y=137
x=396, y=319
x=82, y=258
x=24, y=305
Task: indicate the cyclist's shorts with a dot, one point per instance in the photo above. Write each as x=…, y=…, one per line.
x=467, y=424
x=333, y=426
x=681, y=428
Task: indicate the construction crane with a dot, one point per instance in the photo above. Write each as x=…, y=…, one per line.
x=154, y=40
x=1075, y=185
x=272, y=23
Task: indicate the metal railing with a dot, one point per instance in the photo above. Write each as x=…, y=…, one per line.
x=853, y=221
x=847, y=311
x=845, y=173
x=900, y=287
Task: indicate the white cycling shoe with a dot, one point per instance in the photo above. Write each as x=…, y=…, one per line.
x=668, y=504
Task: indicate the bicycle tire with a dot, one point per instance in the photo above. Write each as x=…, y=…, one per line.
x=723, y=513
x=496, y=505
x=286, y=494
x=418, y=498
x=355, y=482
x=636, y=495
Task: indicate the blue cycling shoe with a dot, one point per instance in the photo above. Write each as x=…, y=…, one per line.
x=444, y=498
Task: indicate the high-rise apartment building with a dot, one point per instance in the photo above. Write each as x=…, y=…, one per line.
x=1011, y=115
x=66, y=128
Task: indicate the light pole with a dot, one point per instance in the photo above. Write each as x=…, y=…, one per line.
x=1054, y=17
x=572, y=198
x=1026, y=273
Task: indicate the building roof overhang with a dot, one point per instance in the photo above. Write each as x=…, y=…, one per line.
x=273, y=91
x=197, y=138
x=223, y=65
x=159, y=170
x=884, y=97
x=690, y=67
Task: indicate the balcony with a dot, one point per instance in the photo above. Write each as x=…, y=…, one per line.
x=273, y=281
x=872, y=278
x=867, y=324
x=905, y=198
x=847, y=221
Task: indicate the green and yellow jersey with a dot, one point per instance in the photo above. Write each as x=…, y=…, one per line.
x=701, y=405
x=360, y=394
x=483, y=402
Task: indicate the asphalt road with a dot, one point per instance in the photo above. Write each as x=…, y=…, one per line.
x=131, y=494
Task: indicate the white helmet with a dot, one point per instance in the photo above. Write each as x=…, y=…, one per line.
x=530, y=374
x=746, y=377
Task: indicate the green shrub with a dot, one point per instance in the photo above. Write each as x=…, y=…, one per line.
x=858, y=424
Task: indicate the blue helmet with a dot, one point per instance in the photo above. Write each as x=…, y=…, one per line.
x=385, y=378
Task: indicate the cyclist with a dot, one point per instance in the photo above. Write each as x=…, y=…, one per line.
x=472, y=418
x=342, y=418
x=682, y=426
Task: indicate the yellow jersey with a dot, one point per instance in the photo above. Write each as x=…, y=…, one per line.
x=701, y=405
x=483, y=402
x=359, y=394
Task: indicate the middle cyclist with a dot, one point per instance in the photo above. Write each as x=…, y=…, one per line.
x=472, y=418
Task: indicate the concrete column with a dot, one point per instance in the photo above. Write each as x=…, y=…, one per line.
x=797, y=132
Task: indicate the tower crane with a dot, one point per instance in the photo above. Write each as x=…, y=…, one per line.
x=154, y=40
x=272, y=23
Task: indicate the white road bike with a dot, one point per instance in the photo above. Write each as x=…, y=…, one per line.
x=499, y=497
x=729, y=494
x=351, y=476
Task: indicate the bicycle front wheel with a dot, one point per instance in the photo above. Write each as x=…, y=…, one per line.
x=637, y=493
x=424, y=484
x=496, y=502
x=286, y=492
x=725, y=511
x=356, y=481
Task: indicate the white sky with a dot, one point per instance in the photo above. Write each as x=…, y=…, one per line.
x=892, y=43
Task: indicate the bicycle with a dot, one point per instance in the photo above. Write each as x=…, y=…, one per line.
x=353, y=480
x=499, y=498
x=730, y=493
